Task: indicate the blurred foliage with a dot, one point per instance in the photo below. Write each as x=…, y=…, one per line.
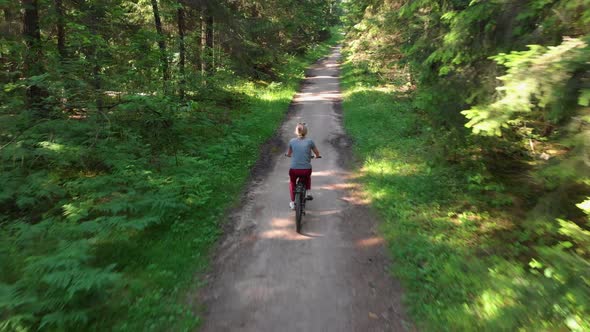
x=495, y=93
x=536, y=79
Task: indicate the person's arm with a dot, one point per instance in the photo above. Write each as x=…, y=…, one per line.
x=289, y=152
x=316, y=152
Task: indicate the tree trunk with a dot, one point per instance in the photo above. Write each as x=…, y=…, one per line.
x=12, y=32
x=60, y=25
x=218, y=45
x=161, y=44
x=32, y=60
x=210, y=45
x=213, y=46
x=182, y=49
x=9, y=18
x=197, y=56
x=95, y=20
x=203, y=40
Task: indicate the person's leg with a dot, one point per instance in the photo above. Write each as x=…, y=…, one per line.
x=308, y=182
x=294, y=174
x=292, y=178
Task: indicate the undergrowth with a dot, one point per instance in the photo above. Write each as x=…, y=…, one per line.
x=457, y=235
x=109, y=217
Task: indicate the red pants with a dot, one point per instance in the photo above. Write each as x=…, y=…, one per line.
x=293, y=175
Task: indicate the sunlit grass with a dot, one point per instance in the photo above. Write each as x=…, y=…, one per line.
x=457, y=249
x=430, y=233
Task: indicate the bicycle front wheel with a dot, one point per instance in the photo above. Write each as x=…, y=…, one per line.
x=298, y=210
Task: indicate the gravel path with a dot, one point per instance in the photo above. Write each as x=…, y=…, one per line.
x=332, y=277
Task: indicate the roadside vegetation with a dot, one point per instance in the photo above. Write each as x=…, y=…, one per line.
x=483, y=183
x=127, y=129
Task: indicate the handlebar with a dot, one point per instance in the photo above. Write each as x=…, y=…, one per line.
x=312, y=156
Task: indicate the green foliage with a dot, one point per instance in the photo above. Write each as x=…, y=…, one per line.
x=78, y=189
x=525, y=157
x=112, y=190
x=564, y=273
x=61, y=289
x=430, y=240
x=445, y=47
x=536, y=79
x=465, y=255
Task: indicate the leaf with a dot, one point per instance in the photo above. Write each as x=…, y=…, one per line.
x=584, y=99
x=585, y=206
x=535, y=264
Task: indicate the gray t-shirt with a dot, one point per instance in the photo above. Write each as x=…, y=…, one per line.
x=301, y=157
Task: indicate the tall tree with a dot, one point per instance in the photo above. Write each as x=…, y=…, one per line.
x=161, y=44
x=10, y=29
x=32, y=65
x=182, y=49
x=197, y=57
x=60, y=27
x=96, y=15
x=203, y=26
x=209, y=41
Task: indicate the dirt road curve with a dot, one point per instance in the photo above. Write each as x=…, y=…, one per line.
x=334, y=276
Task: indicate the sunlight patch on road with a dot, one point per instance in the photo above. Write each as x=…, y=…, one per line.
x=324, y=173
x=339, y=186
x=311, y=96
x=326, y=212
x=318, y=77
x=281, y=222
x=283, y=234
x=369, y=242
x=284, y=229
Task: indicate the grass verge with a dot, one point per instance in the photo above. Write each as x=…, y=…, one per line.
x=454, y=236
x=410, y=194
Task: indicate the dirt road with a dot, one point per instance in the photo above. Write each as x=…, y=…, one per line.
x=334, y=276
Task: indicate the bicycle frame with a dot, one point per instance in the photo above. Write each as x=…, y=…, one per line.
x=300, y=187
x=300, y=198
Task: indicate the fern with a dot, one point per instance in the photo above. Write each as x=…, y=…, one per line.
x=533, y=78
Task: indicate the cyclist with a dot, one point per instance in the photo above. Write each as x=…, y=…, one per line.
x=300, y=149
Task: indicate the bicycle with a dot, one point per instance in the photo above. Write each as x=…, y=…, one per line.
x=300, y=199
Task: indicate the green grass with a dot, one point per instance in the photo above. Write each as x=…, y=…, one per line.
x=453, y=236
x=412, y=195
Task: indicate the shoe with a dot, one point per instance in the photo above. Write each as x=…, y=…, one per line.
x=309, y=197
x=292, y=205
